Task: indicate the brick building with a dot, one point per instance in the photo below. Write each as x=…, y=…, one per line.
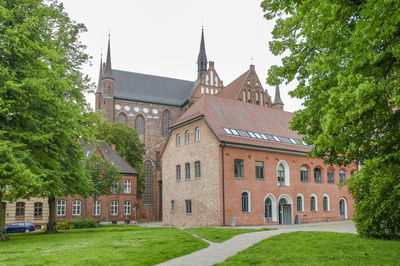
x=232, y=160
x=119, y=207
x=150, y=104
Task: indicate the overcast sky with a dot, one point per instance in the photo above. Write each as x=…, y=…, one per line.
x=163, y=38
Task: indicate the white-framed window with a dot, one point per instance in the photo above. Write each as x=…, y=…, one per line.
x=127, y=208
x=187, y=137
x=260, y=170
x=283, y=173
x=270, y=208
x=246, y=206
x=114, y=208
x=197, y=134
x=325, y=202
x=178, y=139
x=127, y=186
x=172, y=205
x=188, y=204
x=238, y=168
x=76, y=207
x=97, y=208
x=300, y=202
x=20, y=210
x=313, y=203
x=61, y=208
x=114, y=188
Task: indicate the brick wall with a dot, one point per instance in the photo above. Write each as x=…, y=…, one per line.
x=204, y=191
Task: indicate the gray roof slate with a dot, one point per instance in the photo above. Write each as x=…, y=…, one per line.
x=149, y=88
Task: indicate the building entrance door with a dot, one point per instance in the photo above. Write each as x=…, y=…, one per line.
x=285, y=212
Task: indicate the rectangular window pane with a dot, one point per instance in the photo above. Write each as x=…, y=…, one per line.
x=127, y=186
x=188, y=206
x=187, y=171
x=178, y=173
x=238, y=168
x=259, y=170
x=172, y=205
x=198, y=171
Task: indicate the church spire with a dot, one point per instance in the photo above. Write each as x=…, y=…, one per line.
x=100, y=73
x=202, y=59
x=278, y=104
x=107, y=70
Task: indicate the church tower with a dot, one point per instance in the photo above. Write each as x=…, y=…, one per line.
x=202, y=59
x=278, y=104
x=107, y=87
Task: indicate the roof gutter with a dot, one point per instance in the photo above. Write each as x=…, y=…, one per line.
x=267, y=149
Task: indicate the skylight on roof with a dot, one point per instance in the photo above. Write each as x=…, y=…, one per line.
x=251, y=134
x=305, y=144
x=263, y=136
x=227, y=131
x=234, y=132
x=276, y=138
x=258, y=135
x=293, y=141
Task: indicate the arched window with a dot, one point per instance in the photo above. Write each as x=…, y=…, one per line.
x=342, y=176
x=300, y=203
x=187, y=137
x=268, y=210
x=248, y=96
x=317, y=175
x=343, y=208
x=331, y=176
x=281, y=175
x=326, y=203
x=178, y=139
x=139, y=125
x=20, y=210
x=202, y=90
x=304, y=174
x=147, y=195
x=245, y=201
x=122, y=118
x=197, y=134
x=313, y=203
x=165, y=123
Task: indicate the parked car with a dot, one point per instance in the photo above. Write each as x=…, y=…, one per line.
x=20, y=227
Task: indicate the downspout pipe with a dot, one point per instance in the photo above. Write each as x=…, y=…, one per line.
x=223, y=185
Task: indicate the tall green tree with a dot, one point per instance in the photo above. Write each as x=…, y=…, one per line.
x=103, y=174
x=128, y=145
x=345, y=56
x=43, y=110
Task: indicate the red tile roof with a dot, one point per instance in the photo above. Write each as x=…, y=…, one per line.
x=223, y=113
x=233, y=89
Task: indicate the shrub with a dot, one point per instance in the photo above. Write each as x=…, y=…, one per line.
x=80, y=222
x=64, y=225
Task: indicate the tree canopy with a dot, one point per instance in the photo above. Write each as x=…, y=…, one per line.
x=43, y=111
x=345, y=56
x=128, y=145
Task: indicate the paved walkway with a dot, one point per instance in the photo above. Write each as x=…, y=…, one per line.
x=218, y=252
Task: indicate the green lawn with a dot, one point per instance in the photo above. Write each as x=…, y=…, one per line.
x=319, y=248
x=216, y=234
x=132, y=246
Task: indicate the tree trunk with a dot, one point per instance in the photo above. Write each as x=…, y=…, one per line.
x=3, y=236
x=52, y=224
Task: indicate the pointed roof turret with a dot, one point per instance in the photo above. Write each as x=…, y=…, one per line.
x=107, y=70
x=277, y=96
x=202, y=58
x=100, y=74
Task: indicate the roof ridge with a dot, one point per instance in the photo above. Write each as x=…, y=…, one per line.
x=153, y=75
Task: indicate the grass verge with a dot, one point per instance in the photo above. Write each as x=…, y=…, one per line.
x=216, y=234
x=318, y=248
x=106, y=246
